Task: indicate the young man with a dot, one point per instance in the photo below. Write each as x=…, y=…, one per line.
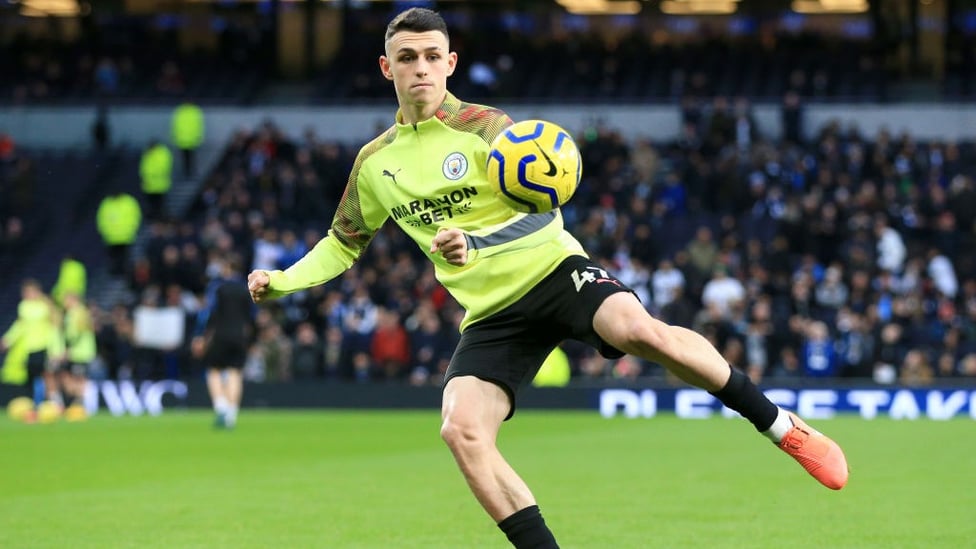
x=34, y=340
x=80, y=350
x=515, y=274
x=224, y=329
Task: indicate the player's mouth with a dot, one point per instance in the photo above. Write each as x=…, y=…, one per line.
x=422, y=85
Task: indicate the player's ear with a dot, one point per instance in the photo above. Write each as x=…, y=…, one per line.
x=452, y=59
x=385, y=67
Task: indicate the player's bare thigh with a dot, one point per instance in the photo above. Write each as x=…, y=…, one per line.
x=623, y=322
x=470, y=402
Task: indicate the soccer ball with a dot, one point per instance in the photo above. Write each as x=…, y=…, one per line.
x=75, y=412
x=19, y=408
x=48, y=412
x=534, y=166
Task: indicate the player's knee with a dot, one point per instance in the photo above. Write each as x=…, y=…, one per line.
x=458, y=434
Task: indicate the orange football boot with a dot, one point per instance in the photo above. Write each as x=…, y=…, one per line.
x=819, y=455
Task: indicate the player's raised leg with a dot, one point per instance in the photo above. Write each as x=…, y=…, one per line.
x=622, y=322
x=472, y=412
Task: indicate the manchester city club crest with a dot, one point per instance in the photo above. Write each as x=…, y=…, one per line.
x=455, y=166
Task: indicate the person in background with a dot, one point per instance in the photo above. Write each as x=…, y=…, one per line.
x=188, y=132
x=223, y=336
x=31, y=341
x=72, y=279
x=118, y=219
x=80, y=350
x=156, y=176
x=101, y=131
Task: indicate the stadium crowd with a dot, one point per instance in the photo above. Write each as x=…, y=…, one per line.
x=842, y=256
x=148, y=61
x=17, y=226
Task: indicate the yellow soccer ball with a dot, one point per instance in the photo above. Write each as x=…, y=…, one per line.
x=75, y=412
x=48, y=412
x=534, y=166
x=19, y=408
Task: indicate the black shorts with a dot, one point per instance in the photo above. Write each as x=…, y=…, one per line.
x=225, y=353
x=508, y=347
x=36, y=363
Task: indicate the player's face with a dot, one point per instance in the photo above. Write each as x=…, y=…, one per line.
x=418, y=63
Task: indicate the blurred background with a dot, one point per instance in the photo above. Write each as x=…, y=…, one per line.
x=794, y=179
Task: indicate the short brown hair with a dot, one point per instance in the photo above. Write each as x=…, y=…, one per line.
x=417, y=20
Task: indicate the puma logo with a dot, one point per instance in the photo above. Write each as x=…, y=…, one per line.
x=387, y=173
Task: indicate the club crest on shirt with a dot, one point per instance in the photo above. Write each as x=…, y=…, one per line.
x=455, y=166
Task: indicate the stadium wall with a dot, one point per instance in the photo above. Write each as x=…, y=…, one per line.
x=637, y=401
x=70, y=127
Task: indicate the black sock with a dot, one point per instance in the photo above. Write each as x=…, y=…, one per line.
x=742, y=395
x=526, y=529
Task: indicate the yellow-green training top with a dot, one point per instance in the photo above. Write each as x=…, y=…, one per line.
x=432, y=176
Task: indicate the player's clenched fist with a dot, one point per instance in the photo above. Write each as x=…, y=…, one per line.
x=257, y=284
x=452, y=245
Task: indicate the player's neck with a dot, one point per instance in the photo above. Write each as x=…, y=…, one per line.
x=414, y=114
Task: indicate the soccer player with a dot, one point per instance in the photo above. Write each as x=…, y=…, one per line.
x=34, y=335
x=80, y=349
x=223, y=334
x=525, y=282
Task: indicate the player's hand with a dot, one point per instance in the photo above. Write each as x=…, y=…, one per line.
x=257, y=284
x=452, y=245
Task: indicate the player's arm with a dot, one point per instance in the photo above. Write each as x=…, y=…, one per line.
x=327, y=260
x=11, y=335
x=357, y=219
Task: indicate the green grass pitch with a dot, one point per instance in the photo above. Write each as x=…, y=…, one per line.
x=331, y=479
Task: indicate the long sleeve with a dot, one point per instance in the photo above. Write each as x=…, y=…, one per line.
x=327, y=260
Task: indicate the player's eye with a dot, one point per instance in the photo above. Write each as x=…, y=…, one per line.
x=433, y=57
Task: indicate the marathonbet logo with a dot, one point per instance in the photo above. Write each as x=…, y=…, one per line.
x=434, y=209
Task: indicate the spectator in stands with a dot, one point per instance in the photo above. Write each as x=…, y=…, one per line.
x=188, y=130
x=702, y=253
x=72, y=279
x=891, y=246
x=268, y=249
x=101, y=130
x=170, y=81
x=942, y=273
x=8, y=149
x=787, y=367
x=390, y=345
x=916, y=370
x=156, y=176
x=832, y=292
x=308, y=353
x=118, y=218
x=967, y=366
x=273, y=349
x=723, y=293
x=819, y=357
x=791, y=118
x=107, y=77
